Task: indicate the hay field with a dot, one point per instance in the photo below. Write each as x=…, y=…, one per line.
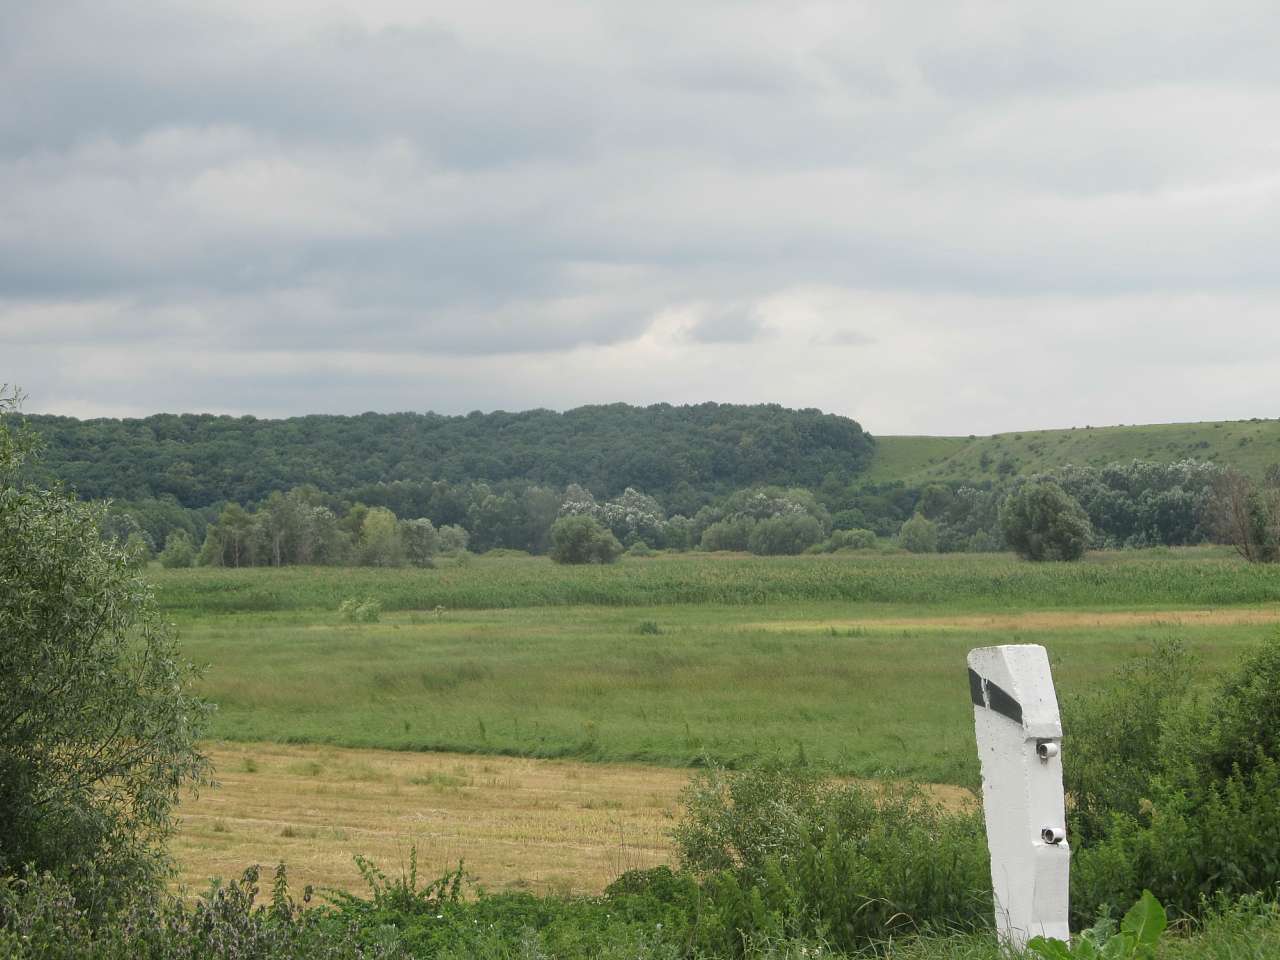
x=548, y=826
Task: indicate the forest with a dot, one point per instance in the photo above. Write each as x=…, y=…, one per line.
x=682, y=454
x=394, y=489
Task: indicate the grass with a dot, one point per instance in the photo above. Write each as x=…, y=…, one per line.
x=963, y=582
x=1249, y=445
x=866, y=688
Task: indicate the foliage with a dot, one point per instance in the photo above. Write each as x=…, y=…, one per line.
x=178, y=552
x=852, y=539
x=1193, y=815
x=368, y=610
x=98, y=723
x=919, y=535
x=765, y=520
x=580, y=539
x=785, y=853
x=1247, y=516
x=40, y=919
x=662, y=449
x=1136, y=939
x=1041, y=521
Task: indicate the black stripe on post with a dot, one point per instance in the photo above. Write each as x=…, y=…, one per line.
x=975, y=689
x=1002, y=703
x=984, y=693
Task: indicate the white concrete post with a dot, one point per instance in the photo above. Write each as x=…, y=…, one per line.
x=1015, y=713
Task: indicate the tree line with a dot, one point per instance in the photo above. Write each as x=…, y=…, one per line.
x=1050, y=516
x=684, y=455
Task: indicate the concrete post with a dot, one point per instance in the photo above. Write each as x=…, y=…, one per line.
x=1019, y=734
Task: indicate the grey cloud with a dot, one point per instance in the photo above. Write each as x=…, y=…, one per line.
x=728, y=324
x=475, y=183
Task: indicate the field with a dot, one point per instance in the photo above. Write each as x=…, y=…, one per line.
x=852, y=662
x=1249, y=445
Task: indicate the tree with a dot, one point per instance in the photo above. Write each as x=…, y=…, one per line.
x=380, y=544
x=1041, y=521
x=1247, y=517
x=580, y=539
x=788, y=534
x=419, y=539
x=178, y=550
x=919, y=535
x=98, y=722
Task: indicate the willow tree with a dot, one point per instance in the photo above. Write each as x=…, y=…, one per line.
x=98, y=721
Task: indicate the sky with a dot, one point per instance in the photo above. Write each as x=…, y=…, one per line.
x=936, y=218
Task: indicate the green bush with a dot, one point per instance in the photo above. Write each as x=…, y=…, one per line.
x=784, y=535
x=1186, y=806
x=368, y=610
x=581, y=539
x=919, y=535
x=640, y=549
x=856, y=539
x=1041, y=521
x=99, y=724
x=784, y=853
x=732, y=534
x=178, y=551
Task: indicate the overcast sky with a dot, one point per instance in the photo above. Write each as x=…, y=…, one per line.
x=933, y=217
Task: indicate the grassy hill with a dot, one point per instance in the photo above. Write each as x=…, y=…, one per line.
x=1249, y=445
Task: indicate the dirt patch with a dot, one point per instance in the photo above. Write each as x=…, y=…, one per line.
x=1040, y=620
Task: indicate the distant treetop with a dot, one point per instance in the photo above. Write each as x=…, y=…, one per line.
x=200, y=459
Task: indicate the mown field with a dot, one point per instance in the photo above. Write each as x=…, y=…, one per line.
x=855, y=662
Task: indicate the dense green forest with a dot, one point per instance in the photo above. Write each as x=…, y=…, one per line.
x=684, y=455
x=386, y=489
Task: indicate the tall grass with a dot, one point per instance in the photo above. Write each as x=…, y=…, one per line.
x=1165, y=578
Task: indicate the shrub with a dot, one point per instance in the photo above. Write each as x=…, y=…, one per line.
x=580, y=539
x=784, y=535
x=98, y=722
x=919, y=535
x=784, y=853
x=368, y=610
x=640, y=549
x=856, y=539
x=178, y=550
x=1193, y=817
x=1041, y=521
x=732, y=534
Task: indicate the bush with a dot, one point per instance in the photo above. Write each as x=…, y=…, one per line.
x=178, y=551
x=732, y=534
x=368, y=610
x=785, y=535
x=1041, y=521
x=856, y=539
x=1191, y=815
x=640, y=549
x=784, y=853
x=40, y=919
x=580, y=539
x=98, y=722
x=919, y=535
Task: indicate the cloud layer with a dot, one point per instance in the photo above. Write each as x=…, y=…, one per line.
x=966, y=220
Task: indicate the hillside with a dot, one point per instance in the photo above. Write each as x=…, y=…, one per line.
x=1248, y=445
x=677, y=453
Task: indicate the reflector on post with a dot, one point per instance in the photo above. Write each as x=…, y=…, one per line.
x=1019, y=732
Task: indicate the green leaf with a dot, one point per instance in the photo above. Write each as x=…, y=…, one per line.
x=1049, y=949
x=1120, y=947
x=1145, y=920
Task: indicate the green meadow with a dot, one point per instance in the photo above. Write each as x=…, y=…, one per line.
x=1248, y=445
x=853, y=661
